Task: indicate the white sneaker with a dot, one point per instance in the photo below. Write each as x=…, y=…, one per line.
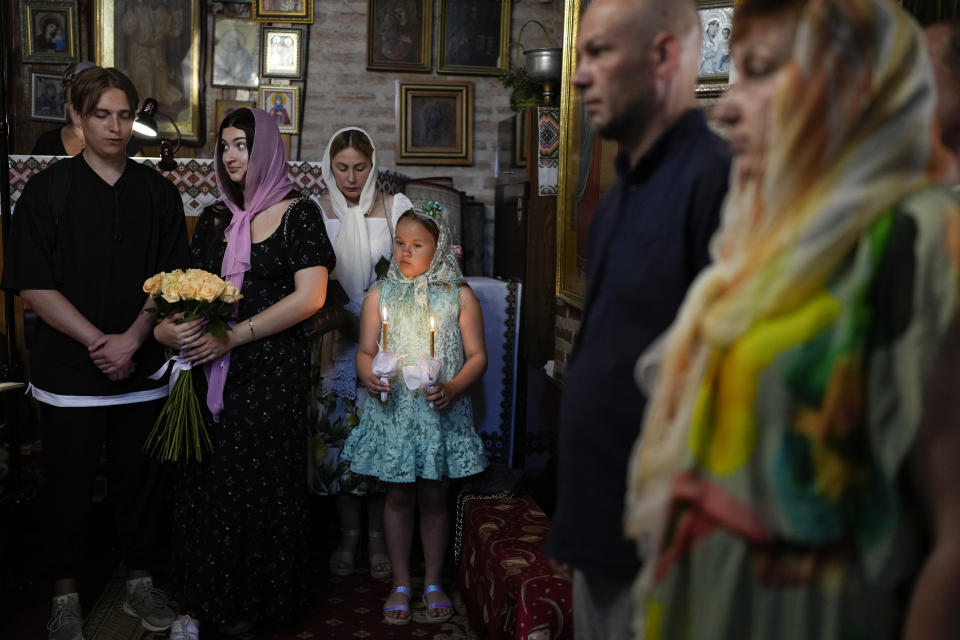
x=184, y=628
x=66, y=618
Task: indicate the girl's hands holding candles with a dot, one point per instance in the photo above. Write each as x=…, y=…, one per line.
x=442, y=395
x=373, y=328
x=374, y=385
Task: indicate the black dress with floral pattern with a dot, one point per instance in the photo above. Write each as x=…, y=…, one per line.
x=241, y=523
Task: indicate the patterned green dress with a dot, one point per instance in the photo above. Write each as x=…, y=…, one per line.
x=794, y=518
x=403, y=439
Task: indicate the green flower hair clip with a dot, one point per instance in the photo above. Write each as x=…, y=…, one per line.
x=432, y=209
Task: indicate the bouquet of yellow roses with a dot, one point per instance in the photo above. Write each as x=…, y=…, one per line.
x=186, y=295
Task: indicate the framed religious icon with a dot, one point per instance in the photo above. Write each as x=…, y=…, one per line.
x=283, y=51
x=46, y=97
x=283, y=10
x=159, y=45
x=716, y=27
x=283, y=103
x=435, y=123
x=236, y=53
x=586, y=172
x=223, y=108
x=474, y=37
x=49, y=30
x=398, y=35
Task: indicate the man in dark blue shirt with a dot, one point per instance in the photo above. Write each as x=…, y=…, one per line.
x=637, y=69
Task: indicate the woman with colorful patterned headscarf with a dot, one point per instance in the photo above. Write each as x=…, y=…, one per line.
x=240, y=527
x=775, y=490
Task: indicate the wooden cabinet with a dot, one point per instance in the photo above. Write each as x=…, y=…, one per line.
x=525, y=250
x=525, y=239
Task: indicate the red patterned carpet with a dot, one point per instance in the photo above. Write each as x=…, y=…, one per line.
x=346, y=609
x=349, y=608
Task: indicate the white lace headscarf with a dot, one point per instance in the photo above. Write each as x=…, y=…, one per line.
x=443, y=268
x=351, y=244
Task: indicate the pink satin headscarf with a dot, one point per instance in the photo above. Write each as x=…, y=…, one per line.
x=265, y=184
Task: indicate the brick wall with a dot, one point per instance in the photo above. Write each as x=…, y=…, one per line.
x=341, y=92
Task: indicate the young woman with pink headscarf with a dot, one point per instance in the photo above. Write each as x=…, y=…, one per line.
x=240, y=522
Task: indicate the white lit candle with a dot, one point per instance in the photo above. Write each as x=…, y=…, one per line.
x=383, y=343
x=433, y=329
x=384, y=380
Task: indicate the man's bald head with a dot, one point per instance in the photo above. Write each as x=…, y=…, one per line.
x=645, y=18
x=636, y=66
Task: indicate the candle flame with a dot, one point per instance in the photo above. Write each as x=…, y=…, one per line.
x=433, y=324
x=384, y=313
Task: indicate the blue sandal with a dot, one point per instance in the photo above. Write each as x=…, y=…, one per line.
x=398, y=607
x=443, y=617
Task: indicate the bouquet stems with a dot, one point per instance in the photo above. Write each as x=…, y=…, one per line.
x=180, y=431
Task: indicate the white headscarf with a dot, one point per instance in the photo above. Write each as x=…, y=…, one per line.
x=352, y=244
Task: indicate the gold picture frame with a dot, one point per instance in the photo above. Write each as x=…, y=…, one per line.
x=282, y=51
x=282, y=101
x=49, y=31
x=716, y=21
x=236, y=53
x=283, y=10
x=435, y=123
x=474, y=37
x=153, y=43
x=399, y=35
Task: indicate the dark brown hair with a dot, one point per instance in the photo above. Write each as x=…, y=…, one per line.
x=89, y=85
x=239, y=119
x=351, y=139
x=427, y=223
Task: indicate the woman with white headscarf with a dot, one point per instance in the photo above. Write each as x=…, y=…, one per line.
x=357, y=215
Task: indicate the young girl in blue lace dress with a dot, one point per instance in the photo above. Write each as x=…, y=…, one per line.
x=415, y=441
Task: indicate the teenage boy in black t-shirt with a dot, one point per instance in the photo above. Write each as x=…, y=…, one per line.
x=86, y=233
